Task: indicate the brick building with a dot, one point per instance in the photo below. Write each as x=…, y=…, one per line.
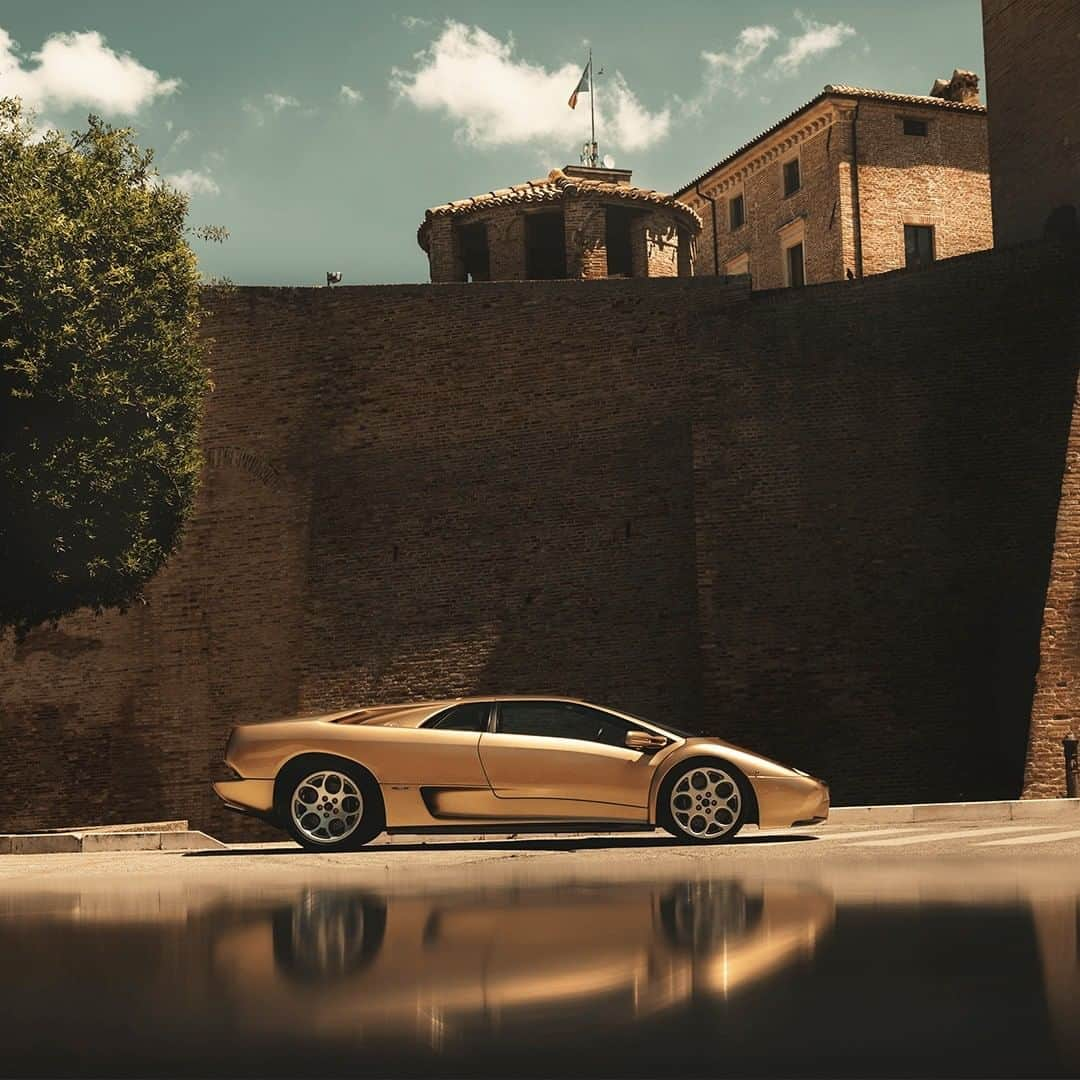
x=1032, y=52
x=855, y=182
x=577, y=222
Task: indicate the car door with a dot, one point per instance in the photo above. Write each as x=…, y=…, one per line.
x=549, y=758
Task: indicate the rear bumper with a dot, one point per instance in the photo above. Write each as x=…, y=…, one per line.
x=248, y=796
x=790, y=800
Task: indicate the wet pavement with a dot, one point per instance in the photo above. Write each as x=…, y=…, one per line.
x=605, y=960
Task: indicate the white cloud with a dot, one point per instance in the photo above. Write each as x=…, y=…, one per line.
x=411, y=22
x=816, y=38
x=498, y=99
x=727, y=68
x=349, y=95
x=184, y=136
x=79, y=70
x=277, y=102
x=193, y=182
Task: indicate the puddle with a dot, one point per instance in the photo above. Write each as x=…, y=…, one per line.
x=697, y=977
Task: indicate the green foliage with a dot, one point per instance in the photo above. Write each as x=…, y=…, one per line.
x=102, y=374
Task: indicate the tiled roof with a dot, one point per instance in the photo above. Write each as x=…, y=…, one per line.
x=837, y=91
x=552, y=188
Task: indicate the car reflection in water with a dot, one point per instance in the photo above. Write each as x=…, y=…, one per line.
x=440, y=967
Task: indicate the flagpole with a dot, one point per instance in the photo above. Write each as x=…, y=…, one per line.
x=592, y=113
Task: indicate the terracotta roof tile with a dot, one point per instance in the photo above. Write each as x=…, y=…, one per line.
x=551, y=188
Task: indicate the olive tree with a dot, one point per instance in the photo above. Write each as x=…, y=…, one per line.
x=102, y=374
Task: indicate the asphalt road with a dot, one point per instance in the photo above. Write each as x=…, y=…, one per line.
x=406, y=860
x=915, y=950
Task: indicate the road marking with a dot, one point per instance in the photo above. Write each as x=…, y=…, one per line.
x=1043, y=838
x=956, y=835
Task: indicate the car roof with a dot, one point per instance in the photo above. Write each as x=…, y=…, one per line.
x=414, y=713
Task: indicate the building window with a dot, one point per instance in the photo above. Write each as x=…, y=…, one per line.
x=918, y=246
x=475, y=256
x=794, y=267
x=736, y=212
x=685, y=265
x=545, y=246
x=914, y=127
x=620, y=257
x=792, y=180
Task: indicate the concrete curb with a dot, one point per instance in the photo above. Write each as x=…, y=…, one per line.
x=92, y=841
x=1005, y=810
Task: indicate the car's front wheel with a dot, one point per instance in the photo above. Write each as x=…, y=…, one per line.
x=704, y=802
x=330, y=805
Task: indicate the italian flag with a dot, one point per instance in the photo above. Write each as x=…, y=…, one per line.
x=581, y=88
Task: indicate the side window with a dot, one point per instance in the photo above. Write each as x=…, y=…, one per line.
x=561, y=720
x=792, y=179
x=472, y=716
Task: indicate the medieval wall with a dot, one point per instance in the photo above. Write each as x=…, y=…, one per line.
x=1032, y=52
x=817, y=521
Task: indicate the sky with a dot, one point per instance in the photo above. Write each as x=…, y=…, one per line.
x=318, y=133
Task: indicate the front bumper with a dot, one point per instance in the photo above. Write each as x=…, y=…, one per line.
x=790, y=800
x=247, y=796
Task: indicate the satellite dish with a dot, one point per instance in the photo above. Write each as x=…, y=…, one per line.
x=609, y=162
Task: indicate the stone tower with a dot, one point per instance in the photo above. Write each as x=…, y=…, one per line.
x=577, y=222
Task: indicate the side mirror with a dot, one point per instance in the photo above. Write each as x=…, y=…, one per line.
x=643, y=741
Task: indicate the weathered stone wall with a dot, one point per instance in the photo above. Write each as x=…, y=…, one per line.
x=816, y=521
x=1033, y=74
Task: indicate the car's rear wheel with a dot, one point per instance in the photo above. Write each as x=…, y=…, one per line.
x=330, y=805
x=704, y=802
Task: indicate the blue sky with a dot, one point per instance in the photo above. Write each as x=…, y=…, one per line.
x=318, y=134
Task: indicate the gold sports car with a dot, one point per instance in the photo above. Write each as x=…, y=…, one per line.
x=504, y=764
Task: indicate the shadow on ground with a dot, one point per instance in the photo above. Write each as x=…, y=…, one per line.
x=590, y=843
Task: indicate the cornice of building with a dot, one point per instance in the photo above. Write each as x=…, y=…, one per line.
x=805, y=122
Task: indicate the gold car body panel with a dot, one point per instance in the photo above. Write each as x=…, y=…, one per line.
x=438, y=777
x=472, y=955
x=523, y=767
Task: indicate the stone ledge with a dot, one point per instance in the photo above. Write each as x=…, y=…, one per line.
x=94, y=841
x=1004, y=810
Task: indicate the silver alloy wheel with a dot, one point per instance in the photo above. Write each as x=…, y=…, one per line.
x=326, y=806
x=705, y=802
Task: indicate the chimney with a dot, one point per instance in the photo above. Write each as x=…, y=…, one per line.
x=962, y=87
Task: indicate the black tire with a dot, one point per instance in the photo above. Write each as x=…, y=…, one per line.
x=714, y=804
x=291, y=791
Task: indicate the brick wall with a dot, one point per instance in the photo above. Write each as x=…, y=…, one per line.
x=1032, y=52
x=939, y=180
x=654, y=239
x=818, y=522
